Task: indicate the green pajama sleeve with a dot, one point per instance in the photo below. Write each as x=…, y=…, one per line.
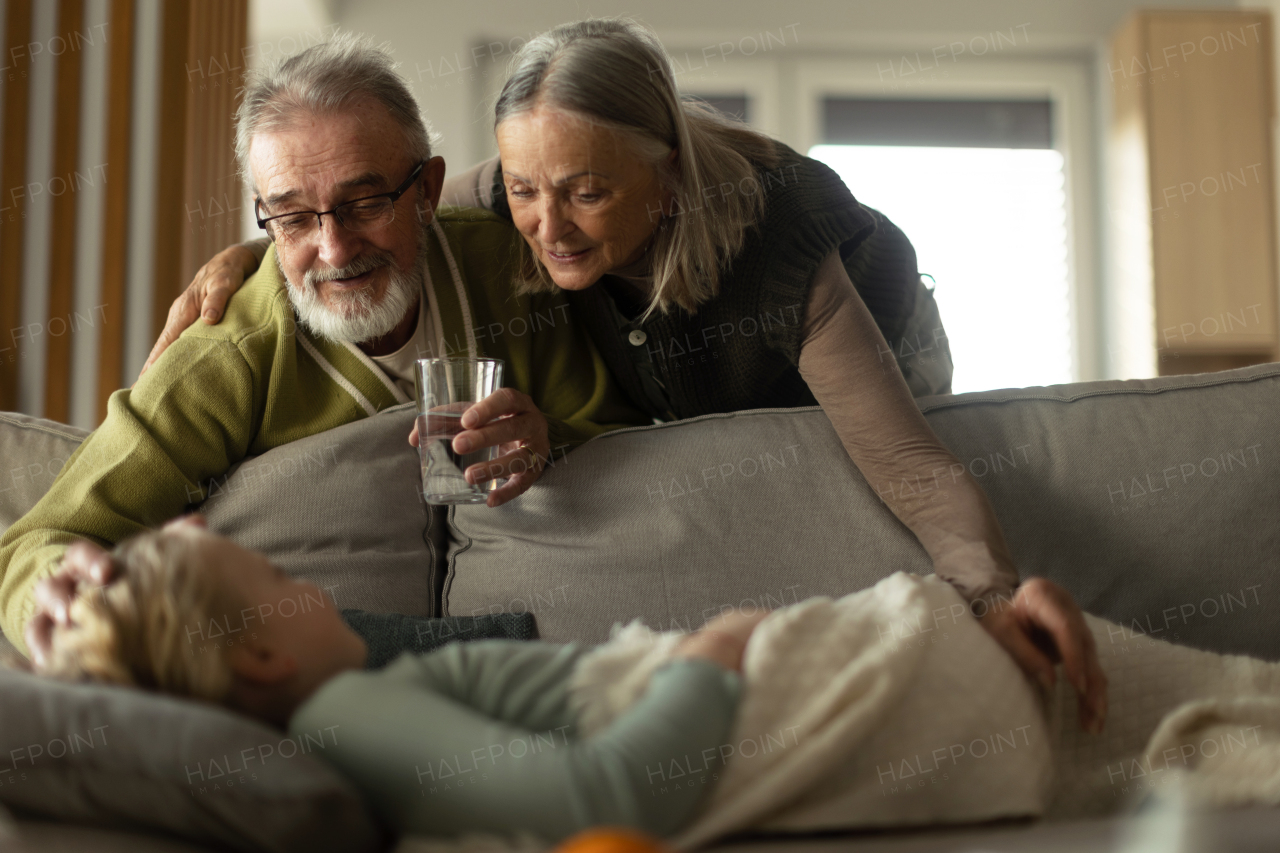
x=431, y=762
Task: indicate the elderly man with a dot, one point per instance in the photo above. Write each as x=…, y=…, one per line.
x=344, y=181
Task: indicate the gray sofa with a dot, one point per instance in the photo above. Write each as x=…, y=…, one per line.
x=1153, y=501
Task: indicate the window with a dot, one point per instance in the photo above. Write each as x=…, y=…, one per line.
x=977, y=187
x=734, y=106
x=1010, y=134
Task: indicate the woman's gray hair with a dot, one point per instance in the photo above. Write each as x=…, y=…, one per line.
x=324, y=79
x=615, y=72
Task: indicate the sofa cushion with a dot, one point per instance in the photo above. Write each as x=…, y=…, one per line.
x=1153, y=501
x=342, y=509
x=116, y=757
x=32, y=452
x=389, y=635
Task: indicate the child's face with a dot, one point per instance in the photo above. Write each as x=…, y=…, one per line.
x=291, y=617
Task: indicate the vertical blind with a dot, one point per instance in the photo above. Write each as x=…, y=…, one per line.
x=117, y=179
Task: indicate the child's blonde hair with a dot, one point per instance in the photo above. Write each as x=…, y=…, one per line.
x=136, y=631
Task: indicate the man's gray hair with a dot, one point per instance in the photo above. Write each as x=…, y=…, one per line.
x=325, y=79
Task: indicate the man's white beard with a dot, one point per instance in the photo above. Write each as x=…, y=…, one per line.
x=356, y=317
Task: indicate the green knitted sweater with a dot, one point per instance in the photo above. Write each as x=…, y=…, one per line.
x=257, y=380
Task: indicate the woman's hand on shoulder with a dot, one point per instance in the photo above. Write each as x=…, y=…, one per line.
x=206, y=297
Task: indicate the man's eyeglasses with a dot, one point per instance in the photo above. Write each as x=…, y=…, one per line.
x=359, y=214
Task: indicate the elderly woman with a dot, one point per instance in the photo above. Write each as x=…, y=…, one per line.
x=719, y=270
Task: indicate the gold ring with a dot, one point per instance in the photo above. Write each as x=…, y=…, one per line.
x=533, y=454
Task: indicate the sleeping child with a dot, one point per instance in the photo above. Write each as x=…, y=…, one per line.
x=470, y=704
x=888, y=707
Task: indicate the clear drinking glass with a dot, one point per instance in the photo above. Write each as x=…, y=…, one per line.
x=445, y=388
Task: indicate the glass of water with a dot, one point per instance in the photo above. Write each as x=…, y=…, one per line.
x=445, y=388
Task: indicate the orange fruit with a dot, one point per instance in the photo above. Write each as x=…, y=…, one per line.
x=612, y=839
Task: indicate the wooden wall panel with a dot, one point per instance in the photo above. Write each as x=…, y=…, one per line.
x=200, y=50
x=166, y=267
x=13, y=180
x=1194, y=250
x=62, y=242
x=197, y=210
x=115, y=220
x=215, y=74
x=1211, y=183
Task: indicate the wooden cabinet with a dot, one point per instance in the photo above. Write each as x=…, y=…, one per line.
x=1191, y=193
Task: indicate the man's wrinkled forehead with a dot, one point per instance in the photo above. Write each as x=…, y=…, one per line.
x=365, y=183
x=353, y=151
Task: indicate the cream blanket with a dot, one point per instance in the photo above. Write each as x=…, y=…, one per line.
x=892, y=707
x=1205, y=723
x=887, y=707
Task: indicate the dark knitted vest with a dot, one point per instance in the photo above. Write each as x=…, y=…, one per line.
x=740, y=349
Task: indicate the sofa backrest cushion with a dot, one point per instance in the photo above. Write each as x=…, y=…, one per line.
x=32, y=452
x=342, y=509
x=1153, y=501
